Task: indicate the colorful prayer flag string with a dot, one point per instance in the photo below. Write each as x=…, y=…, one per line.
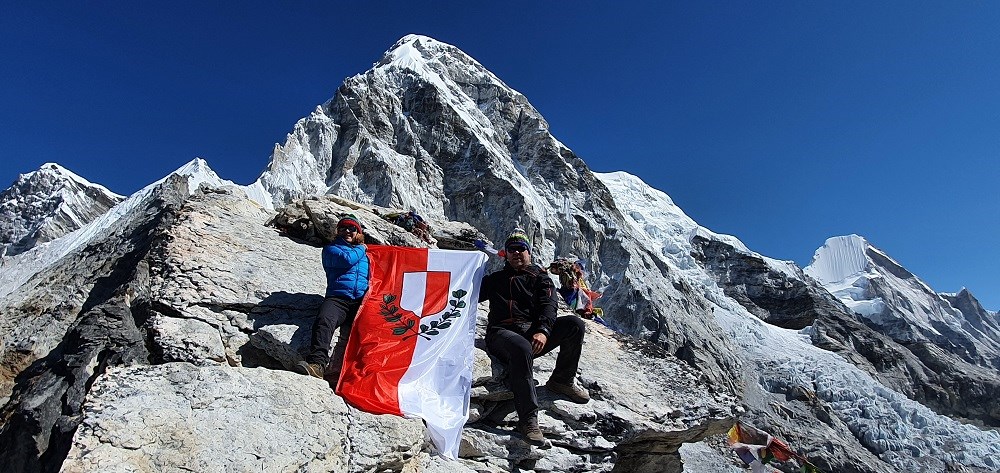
x=756, y=448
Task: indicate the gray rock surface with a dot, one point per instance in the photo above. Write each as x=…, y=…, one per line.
x=191, y=340
x=68, y=323
x=177, y=416
x=314, y=220
x=764, y=291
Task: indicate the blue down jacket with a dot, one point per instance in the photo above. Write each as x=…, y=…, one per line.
x=346, y=268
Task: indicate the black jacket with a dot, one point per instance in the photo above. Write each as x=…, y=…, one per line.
x=524, y=301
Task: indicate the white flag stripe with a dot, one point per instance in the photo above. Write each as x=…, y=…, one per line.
x=413, y=292
x=437, y=384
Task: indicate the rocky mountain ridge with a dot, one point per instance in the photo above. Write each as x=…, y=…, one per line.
x=200, y=311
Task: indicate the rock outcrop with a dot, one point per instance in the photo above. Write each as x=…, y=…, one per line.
x=68, y=323
x=769, y=293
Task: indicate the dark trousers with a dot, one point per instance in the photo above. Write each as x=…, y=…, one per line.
x=512, y=347
x=335, y=312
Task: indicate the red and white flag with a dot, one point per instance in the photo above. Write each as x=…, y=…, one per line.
x=410, y=350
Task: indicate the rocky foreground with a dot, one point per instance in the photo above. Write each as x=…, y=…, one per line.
x=181, y=363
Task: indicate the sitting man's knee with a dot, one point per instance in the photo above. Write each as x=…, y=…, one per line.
x=573, y=324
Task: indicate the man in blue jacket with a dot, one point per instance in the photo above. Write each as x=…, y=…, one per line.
x=346, y=264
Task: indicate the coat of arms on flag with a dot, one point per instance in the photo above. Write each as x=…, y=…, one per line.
x=410, y=350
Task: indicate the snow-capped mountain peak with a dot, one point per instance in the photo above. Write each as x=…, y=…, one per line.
x=198, y=172
x=839, y=258
x=842, y=257
x=412, y=51
x=435, y=61
x=57, y=170
x=46, y=204
x=846, y=265
x=899, y=303
x=196, y=166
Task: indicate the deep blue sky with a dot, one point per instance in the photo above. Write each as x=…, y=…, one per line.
x=782, y=123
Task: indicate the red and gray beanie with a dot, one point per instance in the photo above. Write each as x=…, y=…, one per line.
x=350, y=221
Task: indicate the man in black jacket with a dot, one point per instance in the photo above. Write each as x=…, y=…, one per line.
x=522, y=325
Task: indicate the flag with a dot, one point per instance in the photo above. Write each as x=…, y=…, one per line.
x=757, y=448
x=410, y=349
x=750, y=445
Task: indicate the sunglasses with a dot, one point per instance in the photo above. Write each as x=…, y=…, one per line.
x=516, y=249
x=349, y=229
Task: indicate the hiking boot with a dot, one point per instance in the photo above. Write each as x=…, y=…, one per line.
x=531, y=433
x=309, y=369
x=571, y=390
x=496, y=391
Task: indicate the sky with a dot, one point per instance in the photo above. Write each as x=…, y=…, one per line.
x=782, y=123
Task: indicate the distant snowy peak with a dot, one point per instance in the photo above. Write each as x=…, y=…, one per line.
x=839, y=258
x=903, y=306
x=980, y=318
x=198, y=172
x=845, y=256
x=842, y=266
x=23, y=265
x=863, y=276
x=196, y=166
x=60, y=173
x=436, y=62
x=46, y=204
